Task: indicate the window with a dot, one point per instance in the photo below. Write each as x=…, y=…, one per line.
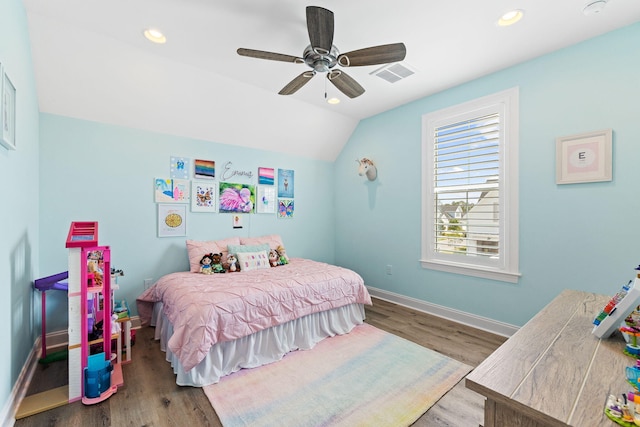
x=470, y=188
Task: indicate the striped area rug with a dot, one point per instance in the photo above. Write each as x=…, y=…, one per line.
x=365, y=378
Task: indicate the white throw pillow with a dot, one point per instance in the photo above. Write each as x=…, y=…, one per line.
x=253, y=260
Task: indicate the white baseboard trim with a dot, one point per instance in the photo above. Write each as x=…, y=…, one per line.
x=19, y=391
x=7, y=418
x=478, y=322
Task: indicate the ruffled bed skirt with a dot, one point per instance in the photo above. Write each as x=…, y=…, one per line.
x=258, y=349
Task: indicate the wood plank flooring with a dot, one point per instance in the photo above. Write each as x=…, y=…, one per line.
x=150, y=397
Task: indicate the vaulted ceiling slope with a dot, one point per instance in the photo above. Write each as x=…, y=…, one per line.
x=92, y=62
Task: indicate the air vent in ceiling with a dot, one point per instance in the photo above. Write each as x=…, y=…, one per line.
x=393, y=72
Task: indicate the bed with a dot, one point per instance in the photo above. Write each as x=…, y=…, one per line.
x=213, y=325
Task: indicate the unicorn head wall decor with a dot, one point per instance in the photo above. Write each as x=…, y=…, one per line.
x=366, y=167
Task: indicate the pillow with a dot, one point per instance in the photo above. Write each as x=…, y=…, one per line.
x=197, y=249
x=235, y=249
x=273, y=240
x=253, y=260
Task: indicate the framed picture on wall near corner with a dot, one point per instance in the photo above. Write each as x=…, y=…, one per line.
x=7, y=111
x=584, y=157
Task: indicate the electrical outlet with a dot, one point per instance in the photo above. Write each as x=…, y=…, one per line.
x=147, y=283
x=389, y=269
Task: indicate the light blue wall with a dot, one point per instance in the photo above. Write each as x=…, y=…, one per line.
x=576, y=236
x=98, y=172
x=581, y=236
x=19, y=241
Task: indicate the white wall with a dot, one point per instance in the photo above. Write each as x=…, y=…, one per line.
x=580, y=236
x=19, y=240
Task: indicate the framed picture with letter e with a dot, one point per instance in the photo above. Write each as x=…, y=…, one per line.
x=586, y=157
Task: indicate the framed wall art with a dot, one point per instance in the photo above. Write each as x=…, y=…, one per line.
x=169, y=190
x=285, y=183
x=236, y=198
x=172, y=220
x=180, y=167
x=204, y=169
x=285, y=208
x=7, y=111
x=266, y=176
x=266, y=199
x=204, y=195
x=585, y=157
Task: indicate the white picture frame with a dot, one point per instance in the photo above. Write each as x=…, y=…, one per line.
x=204, y=196
x=172, y=220
x=266, y=199
x=7, y=111
x=585, y=157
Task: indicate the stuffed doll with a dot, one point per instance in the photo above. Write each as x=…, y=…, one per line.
x=284, y=259
x=205, y=264
x=233, y=263
x=94, y=267
x=274, y=258
x=216, y=263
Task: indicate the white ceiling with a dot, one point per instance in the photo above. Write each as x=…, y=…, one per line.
x=92, y=62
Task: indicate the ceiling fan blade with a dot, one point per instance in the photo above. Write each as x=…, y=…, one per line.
x=345, y=83
x=320, y=28
x=373, y=55
x=295, y=84
x=261, y=54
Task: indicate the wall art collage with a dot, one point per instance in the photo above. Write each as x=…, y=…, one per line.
x=193, y=182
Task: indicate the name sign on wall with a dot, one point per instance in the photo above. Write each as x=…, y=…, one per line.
x=229, y=173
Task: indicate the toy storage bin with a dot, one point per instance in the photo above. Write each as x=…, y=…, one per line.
x=97, y=375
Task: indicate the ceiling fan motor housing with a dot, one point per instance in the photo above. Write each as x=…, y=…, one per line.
x=320, y=62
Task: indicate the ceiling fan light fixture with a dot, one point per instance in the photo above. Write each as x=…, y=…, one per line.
x=510, y=17
x=333, y=101
x=154, y=35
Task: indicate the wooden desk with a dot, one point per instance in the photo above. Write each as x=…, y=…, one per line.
x=553, y=371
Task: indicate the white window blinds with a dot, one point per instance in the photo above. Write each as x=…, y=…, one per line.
x=467, y=187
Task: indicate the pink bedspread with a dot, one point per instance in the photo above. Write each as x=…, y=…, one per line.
x=206, y=309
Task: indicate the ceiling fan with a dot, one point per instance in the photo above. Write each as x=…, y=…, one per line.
x=322, y=56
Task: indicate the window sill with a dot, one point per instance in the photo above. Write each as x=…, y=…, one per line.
x=469, y=270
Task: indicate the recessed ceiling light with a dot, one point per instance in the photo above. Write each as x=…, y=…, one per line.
x=333, y=101
x=155, y=35
x=510, y=18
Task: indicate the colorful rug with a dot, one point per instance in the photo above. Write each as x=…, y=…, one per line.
x=365, y=378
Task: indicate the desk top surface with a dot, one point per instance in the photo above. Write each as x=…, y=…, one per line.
x=554, y=368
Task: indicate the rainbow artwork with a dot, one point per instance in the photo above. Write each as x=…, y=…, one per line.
x=205, y=169
x=266, y=176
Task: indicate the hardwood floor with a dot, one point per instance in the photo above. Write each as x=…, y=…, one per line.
x=150, y=396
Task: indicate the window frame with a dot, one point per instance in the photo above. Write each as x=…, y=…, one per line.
x=505, y=268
